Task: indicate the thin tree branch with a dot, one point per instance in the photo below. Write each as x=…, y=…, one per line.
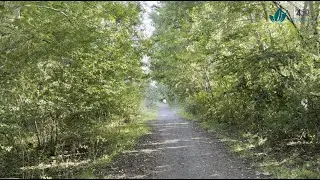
x=56, y=10
x=276, y=70
x=315, y=94
x=46, y=7
x=288, y=17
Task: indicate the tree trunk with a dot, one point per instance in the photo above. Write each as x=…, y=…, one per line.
x=37, y=133
x=256, y=34
x=52, y=139
x=207, y=81
x=303, y=19
x=314, y=12
x=265, y=11
x=318, y=133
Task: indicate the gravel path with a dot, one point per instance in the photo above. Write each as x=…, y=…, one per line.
x=179, y=149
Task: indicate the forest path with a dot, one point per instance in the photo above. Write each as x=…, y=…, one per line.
x=177, y=148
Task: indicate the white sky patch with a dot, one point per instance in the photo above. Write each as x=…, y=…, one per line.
x=145, y=59
x=147, y=22
x=147, y=30
x=153, y=83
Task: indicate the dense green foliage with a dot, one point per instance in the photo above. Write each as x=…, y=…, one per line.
x=70, y=74
x=73, y=90
x=253, y=81
x=232, y=65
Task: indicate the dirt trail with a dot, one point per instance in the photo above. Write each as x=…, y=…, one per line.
x=179, y=149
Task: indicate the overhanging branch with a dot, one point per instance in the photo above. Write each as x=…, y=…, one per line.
x=289, y=18
x=53, y=9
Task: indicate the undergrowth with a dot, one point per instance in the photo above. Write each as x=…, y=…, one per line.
x=285, y=160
